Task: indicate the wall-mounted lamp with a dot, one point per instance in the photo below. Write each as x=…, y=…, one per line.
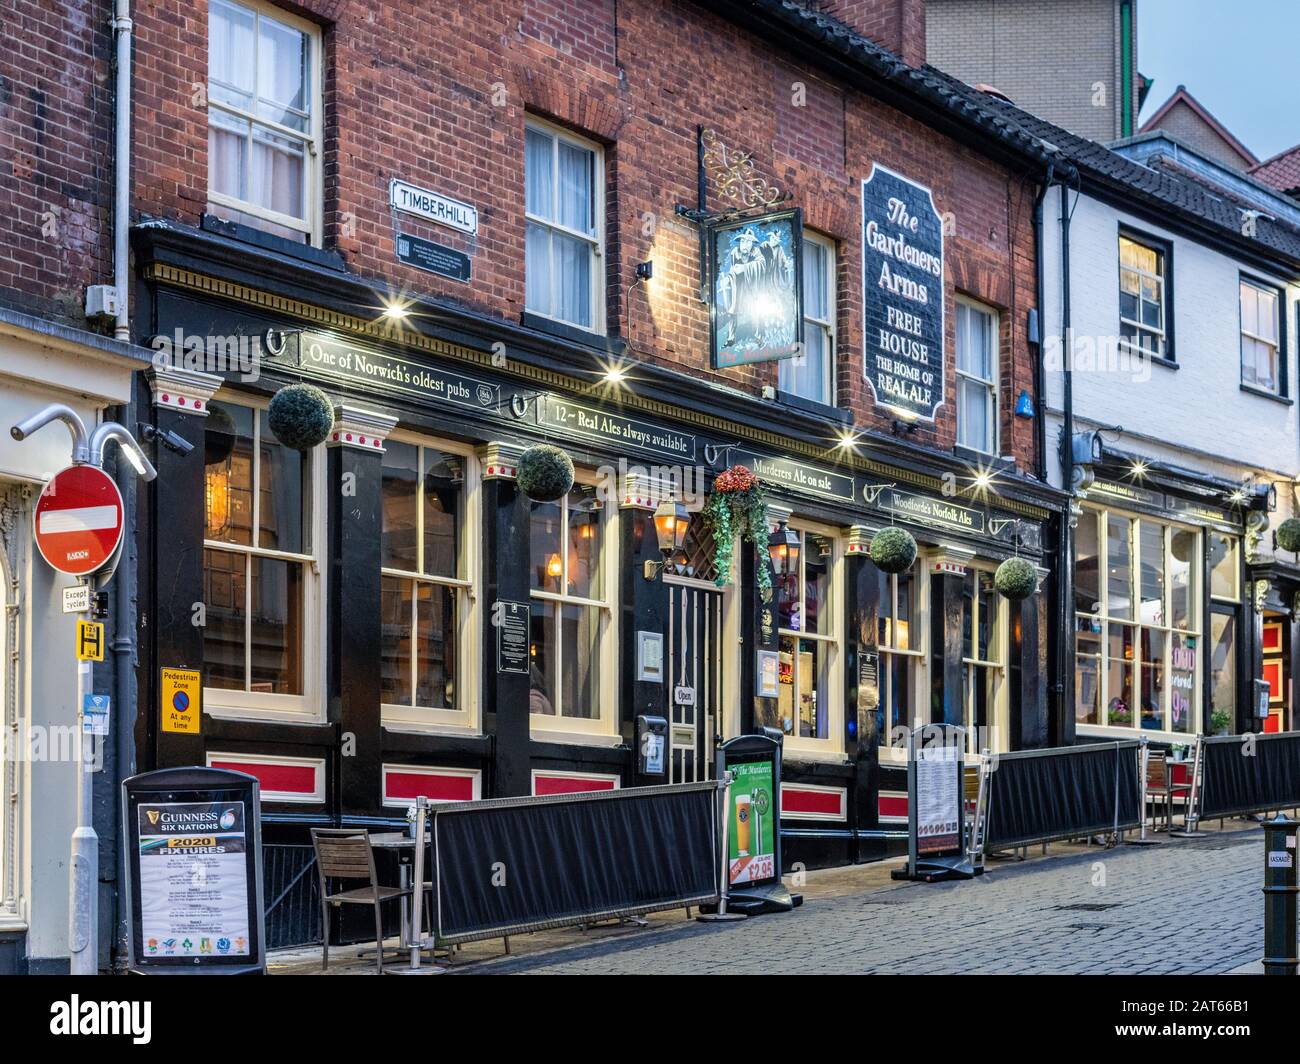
x=903, y=428
x=672, y=520
x=783, y=546
x=645, y=270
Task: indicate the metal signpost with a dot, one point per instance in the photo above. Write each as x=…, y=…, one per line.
x=79, y=526
x=1280, y=891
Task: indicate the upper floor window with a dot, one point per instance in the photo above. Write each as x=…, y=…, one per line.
x=264, y=118
x=977, y=377
x=259, y=566
x=1261, y=337
x=1143, y=297
x=811, y=374
x=563, y=206
x=425, y=551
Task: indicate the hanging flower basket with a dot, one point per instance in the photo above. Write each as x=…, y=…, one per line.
x=1288, y=534
x=893, y=550
x=300, y=416
x=737, y=505
x=545, y=473
x=1016, y=579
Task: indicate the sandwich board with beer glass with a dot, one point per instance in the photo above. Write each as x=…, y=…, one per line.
x=754, y=825
x=936, y=816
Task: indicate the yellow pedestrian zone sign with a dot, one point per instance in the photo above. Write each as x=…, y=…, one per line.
x=182, y=700
x=90, y=641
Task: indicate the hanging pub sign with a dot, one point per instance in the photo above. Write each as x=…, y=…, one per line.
x=757, y=291
x=902, y=286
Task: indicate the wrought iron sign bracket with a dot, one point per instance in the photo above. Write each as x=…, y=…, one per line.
x=871, y=492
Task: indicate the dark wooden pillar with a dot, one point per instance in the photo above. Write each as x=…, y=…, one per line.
x=1028, y=666
x=946, y=579
x=758, y=623
x=644, y=608
x=354, y=505
x=862, y=733
x=505, y=582
x=177, y=513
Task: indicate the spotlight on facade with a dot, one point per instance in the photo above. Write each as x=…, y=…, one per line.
x=1139, y=468
x=395, y=310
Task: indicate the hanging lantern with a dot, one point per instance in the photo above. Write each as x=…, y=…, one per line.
x=301, y=416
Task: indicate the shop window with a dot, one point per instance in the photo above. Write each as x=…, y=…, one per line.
x=808, y=630
x=571, y=545
x=983, y=663
x=898, y=641
x=1143, y=292
x=425, y=555
x=264, y=117
x=563, y=207
x=1223, y=671
x=977, y=377
x=1137, y=627
x=811, y=375
x=1262, y=365
x=1225, y=570
x=259, y=587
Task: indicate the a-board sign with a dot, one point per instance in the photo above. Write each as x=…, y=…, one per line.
x=753, y=824
x=194, y=872
x=936, y=822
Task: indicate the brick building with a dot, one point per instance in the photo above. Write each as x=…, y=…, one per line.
x=589, y=224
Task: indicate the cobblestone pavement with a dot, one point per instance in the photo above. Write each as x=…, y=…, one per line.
x=1178, y=907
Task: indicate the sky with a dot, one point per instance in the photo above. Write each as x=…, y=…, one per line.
x=1239, y=58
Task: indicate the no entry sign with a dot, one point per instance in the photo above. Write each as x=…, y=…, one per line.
x=79, y=520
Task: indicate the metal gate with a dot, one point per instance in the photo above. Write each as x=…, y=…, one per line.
x=695, y=677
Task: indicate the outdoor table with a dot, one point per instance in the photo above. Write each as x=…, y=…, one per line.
x=403, y=844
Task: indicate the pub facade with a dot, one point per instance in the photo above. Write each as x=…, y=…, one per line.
x=830, y=288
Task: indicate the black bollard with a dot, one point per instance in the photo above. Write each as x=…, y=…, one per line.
x=1280, y=896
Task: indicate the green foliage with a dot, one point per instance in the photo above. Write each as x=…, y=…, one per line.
x=893, y=550
x=744, y=512
x=1016, y=579
x=300, y=416
x=545, y=473
x=1288, y=534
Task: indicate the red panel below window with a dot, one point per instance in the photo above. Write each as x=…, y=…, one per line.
x=436, y=787
x=894, y=805
x=286, y=779
x=569, y=785
x=826, y=803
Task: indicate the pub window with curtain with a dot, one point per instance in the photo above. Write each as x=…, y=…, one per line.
x=811, y=375
x=264, y=118
x=564, y=278
x=1143, y=298
x=258, y=562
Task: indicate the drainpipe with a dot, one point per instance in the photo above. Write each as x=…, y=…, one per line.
x=122, y=167
x=1125, y=62
x=1040, y=377
x=124, y=692
x=1065, y=561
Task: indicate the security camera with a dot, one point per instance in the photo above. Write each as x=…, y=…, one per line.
x=174, y=442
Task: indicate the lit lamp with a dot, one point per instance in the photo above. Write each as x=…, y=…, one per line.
x=783, y=546
x=672, y=519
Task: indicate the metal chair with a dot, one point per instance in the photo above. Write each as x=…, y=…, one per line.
x=345, y=853
x=1160, y=783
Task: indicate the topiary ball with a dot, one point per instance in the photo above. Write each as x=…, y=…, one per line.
x=545, y=473
x=301, y=416
x=218, y=435
x=1016, y=579
x=1288, y=534
x=893, y=550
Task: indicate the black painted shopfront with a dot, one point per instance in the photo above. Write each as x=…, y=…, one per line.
x=390, y=615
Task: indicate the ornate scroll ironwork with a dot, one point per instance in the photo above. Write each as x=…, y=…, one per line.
x=735, y=176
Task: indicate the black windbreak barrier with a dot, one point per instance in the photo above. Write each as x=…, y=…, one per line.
x=1064, y=792
x=519, y=864
x=1249, y=774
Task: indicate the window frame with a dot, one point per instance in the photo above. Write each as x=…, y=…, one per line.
x=465, y=716
x=1163, y=247
x=992, y=386
x=829, y=247
x=308, y=707
x=1196, y=611
x=557, y=727
x=310, y=225
x=1279, y=293
x=599, y=325
x=915, y=655
x=975, y=667
x=833, y=745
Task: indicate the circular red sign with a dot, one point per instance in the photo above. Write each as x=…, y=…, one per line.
x=78, y=520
